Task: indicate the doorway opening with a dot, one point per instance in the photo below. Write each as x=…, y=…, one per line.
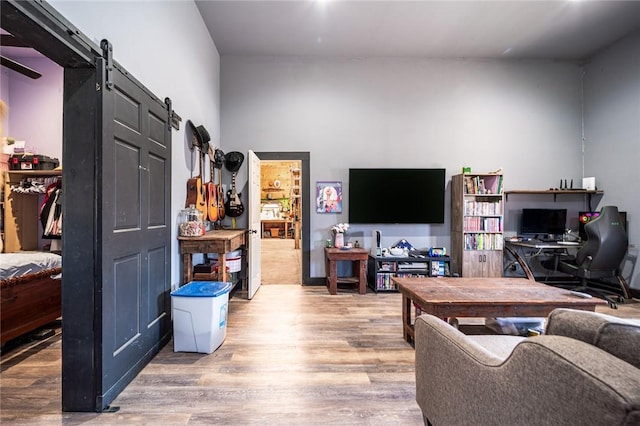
x=284, y=214
x=280, y=220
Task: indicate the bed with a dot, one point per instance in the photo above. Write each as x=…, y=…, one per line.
x=30, y=292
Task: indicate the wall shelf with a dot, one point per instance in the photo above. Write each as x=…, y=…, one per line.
x=554, y=192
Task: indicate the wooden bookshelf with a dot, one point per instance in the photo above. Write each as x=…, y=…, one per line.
x=477, y=209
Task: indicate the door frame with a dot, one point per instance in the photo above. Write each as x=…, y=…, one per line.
x=304, y=158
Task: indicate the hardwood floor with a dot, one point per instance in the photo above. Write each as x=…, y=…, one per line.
x=280, y=262
x=292, y=355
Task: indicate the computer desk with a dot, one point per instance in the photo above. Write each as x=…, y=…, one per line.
x=522, y=249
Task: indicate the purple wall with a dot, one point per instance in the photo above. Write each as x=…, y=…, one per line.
x=35, y=107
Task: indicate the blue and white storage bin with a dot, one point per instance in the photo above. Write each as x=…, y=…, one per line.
x=199, y=311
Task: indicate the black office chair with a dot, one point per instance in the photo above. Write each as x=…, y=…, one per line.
x=601, y=256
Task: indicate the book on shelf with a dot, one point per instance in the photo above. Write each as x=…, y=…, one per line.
x=439, y=268
x=483, y=241
x=488, y=184
x=383, y=282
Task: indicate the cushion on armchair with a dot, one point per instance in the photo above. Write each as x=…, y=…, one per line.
x=495, y=380
x=617, y=336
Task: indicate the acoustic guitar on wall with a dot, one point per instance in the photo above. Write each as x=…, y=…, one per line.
x=218, y=163
x=212, y=190
x=196, y=194
x=201, y=197
x=193, y=183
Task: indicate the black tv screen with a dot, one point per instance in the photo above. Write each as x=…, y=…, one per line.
x=396, y=196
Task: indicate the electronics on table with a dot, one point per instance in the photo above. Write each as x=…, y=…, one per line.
x=549, y=225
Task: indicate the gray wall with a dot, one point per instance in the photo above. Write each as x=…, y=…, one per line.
x=612, y=130
x=521, y=116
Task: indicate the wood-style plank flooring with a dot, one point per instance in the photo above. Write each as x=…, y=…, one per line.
x=280, y=262
x=293, y=355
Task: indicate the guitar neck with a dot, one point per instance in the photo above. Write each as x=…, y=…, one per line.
x=201, y=170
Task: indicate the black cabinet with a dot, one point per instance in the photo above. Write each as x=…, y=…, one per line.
x=381, y=269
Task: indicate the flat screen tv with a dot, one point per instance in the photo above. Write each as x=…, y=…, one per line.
x=413, y=196
x=543, y=221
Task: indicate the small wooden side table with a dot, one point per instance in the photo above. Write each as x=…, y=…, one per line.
x=220, y=241
x=357, y=255
x=285, y=222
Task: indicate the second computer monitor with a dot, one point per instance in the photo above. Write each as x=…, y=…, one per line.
x=586, y=217
x=543, y=222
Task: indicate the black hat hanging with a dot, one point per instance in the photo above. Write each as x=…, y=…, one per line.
x=204, y=137
x=201, y=137
x=233, y=161
x=193, y=141
x=218, y=158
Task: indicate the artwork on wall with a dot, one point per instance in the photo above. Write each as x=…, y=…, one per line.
x=329, y=197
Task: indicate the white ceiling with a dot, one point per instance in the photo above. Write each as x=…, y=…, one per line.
x=570, y=30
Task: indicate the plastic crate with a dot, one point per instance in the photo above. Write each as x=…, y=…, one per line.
x=199, y=310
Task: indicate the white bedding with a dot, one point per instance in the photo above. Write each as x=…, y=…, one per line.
x=27, y=262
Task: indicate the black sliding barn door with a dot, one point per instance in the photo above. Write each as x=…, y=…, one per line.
x=134, y=241
x=116, y=242
x=116, y=238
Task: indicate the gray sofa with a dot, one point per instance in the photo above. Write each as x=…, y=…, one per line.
x=584, y=370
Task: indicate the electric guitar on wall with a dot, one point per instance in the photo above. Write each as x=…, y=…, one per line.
x=212, y=191
x=233, y=206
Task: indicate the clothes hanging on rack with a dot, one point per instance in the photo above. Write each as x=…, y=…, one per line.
x=51, y=211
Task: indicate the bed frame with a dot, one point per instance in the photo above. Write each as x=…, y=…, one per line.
x=29, y=302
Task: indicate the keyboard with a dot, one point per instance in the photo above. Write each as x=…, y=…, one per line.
x=568, y=243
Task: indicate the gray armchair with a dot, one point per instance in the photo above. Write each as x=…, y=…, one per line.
x=585, y=369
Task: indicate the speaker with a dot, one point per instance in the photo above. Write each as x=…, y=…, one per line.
x=376, y=243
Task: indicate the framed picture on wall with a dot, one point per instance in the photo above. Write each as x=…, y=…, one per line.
x=329, y=197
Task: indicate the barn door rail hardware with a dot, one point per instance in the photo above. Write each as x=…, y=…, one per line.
x=174, y=118
x=107, y=54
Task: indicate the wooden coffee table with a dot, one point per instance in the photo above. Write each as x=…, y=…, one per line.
x=483, y=297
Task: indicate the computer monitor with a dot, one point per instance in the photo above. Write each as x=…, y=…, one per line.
x=586, y=217
x=543, y=222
